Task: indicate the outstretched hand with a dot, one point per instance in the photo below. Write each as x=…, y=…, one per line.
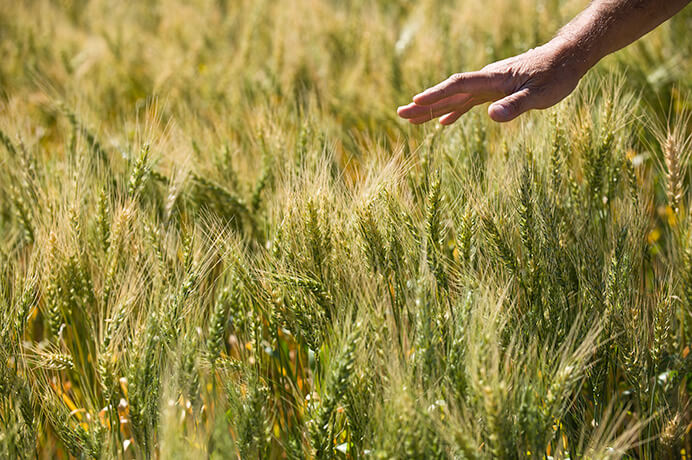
x=536, y=79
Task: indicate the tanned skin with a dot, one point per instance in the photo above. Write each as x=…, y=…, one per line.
x=543, y=76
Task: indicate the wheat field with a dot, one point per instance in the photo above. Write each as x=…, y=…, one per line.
x=217, y=239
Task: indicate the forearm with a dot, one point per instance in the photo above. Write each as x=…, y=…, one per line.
x=545, y=75
x=606, y=26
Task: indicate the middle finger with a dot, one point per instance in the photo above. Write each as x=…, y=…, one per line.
x=414, y=110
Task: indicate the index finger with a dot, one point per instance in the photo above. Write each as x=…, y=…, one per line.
x=468, y=82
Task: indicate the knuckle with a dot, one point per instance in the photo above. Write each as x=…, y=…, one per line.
x=512, y=106
x=456, y=78
x=516, y=104
x=538, y=91
x=514, y=72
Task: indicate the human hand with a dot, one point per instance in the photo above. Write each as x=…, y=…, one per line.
x=536, y=79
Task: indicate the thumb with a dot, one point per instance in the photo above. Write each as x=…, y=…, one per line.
x=512, y=106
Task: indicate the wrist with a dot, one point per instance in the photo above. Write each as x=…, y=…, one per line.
x=574, y=53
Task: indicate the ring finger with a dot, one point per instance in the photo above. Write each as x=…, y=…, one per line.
x=461, y=109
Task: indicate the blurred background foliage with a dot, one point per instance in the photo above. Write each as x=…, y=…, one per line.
x=217, y=238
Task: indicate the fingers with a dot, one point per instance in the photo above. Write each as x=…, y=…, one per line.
x=414, y=110
x=460, y=109
x=451, y=118
x=452, y=98
x=511, y=106
x=454, y=116
x=469, y=82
